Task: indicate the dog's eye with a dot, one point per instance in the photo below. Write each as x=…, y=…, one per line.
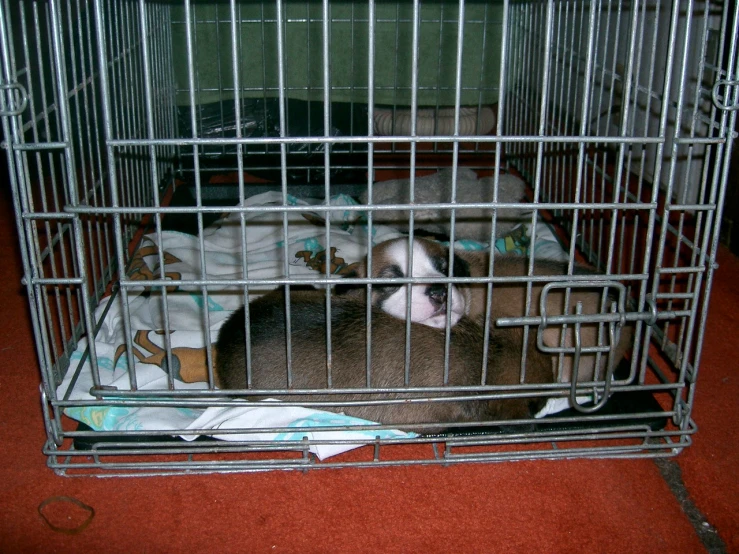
x=391, y=272
x=383, y=292
x=440, y=264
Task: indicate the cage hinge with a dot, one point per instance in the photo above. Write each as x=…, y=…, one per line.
x=681, y=412
x=52, y=429
x=725, y=105
x=651, y=318
x=16, y=103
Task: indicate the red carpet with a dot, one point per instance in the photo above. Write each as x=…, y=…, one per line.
x=566, y=506
x=710, y=465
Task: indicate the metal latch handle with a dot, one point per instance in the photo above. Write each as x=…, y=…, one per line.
x=23, y=95
x=613, y=337
x=714, y=94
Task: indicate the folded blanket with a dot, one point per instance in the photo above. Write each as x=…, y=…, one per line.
x=470, y=223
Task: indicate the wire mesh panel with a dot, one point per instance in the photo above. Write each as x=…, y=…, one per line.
x=547, y=177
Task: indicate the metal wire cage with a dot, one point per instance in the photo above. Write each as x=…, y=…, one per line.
x=619, y=116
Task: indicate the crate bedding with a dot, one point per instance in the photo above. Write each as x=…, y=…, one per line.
x=223, y=249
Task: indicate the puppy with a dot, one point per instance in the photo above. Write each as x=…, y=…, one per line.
x=348, y=367
x=390, y=259
x=348, y=327
x=429, y=301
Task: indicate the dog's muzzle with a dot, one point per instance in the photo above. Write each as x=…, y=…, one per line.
x=437, y=295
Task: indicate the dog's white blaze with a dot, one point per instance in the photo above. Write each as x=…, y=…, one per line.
x=422, y=309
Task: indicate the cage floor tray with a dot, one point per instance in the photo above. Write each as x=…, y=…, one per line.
x=625, y=404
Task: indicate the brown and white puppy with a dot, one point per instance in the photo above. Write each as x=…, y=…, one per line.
x=390, y=259
x=429, y=301
x=348, y=367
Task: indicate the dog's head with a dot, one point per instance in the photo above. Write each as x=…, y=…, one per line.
x=428, y=300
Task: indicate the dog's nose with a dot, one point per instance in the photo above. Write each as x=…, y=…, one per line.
x=437, y=294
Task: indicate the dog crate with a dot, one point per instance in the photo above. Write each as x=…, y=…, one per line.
x=170, y=159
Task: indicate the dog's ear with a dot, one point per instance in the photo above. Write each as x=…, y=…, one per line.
x=359, y=271
x=461, y=267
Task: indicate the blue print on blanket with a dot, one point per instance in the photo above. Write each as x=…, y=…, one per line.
x=374, y=234
x=121, y=364
x=106, y=363
x=105, y=418
x=76, y=355
x=128, y=421
x=313, y=245
x=310, y=243
x=103, y=361
x=213, y=306
x=467, y=244
x=348, y=217
x=327, y=419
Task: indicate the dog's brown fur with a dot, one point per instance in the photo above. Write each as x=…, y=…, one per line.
x=348, y=363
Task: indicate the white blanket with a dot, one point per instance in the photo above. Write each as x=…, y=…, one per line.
x=223, y=259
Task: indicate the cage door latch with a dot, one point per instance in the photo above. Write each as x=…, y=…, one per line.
x=15, y=102
x=588, y=339
x=726, y=105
